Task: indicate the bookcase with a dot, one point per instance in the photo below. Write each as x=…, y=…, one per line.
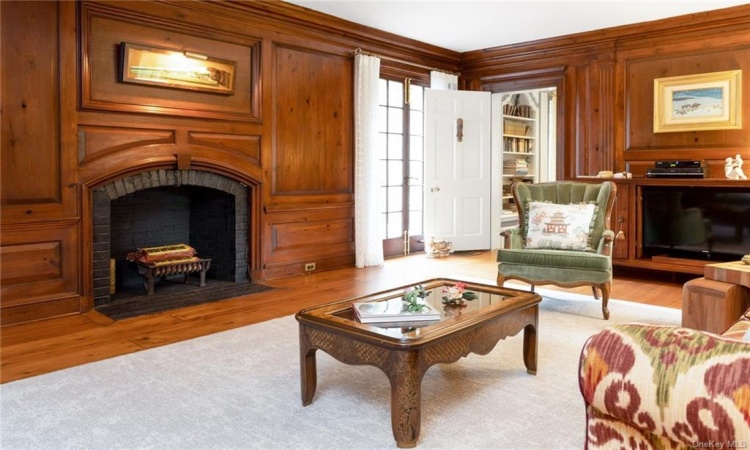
x=516, y=148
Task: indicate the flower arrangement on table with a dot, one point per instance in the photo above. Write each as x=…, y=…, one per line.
x=455, y=295
x=412, y=297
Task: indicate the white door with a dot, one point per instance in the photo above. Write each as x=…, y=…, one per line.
x=457, y=168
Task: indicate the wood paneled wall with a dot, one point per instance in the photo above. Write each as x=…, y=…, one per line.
x=69, y=125
x=605, y=85
x=39, y=255
x=638, y=67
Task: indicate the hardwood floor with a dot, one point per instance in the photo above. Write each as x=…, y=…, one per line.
x=46, y=346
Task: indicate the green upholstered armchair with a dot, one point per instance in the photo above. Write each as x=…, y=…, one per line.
x=560, y=266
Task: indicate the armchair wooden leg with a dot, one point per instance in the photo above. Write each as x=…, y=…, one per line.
x=596, y=294
x=605, y=299
x=500, y=280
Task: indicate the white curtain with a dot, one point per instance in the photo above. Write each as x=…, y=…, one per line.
x=368, y=240
x=442, y=80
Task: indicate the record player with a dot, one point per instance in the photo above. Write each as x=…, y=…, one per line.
x=678, y=169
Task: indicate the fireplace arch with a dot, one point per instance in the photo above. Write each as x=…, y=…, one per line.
x=217, y=216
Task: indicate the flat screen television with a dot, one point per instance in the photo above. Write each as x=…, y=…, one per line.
x=698, y=222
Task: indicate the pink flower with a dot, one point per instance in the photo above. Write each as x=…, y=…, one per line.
x=454, y=292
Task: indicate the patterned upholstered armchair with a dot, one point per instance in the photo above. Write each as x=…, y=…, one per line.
x=659, y=387
x=563, y=237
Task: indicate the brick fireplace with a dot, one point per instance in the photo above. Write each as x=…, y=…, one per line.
x=205, y=210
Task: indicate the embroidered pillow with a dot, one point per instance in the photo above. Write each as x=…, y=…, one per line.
x=560, y=227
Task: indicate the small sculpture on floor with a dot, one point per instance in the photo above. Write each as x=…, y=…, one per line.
x=439, y=249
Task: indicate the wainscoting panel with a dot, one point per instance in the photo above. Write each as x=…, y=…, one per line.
x=36, y=263
x=297, y=237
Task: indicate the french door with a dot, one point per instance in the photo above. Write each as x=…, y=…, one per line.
x=458, y=168
x=401, y=168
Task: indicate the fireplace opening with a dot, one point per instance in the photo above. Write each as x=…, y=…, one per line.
x=205, y=211
x=204, y=218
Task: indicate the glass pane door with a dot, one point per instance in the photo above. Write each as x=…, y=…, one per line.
x=401, y=144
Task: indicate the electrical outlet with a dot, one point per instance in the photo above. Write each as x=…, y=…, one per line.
x=309, y=267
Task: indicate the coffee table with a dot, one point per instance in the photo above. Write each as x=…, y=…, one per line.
x=405, y=351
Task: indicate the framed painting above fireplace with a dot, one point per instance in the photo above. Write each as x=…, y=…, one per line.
x=176, y=69
x=710, y=101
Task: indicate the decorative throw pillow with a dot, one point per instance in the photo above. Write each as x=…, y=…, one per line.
x=560, y=227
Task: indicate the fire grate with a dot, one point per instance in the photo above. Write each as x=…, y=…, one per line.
x=163, y=261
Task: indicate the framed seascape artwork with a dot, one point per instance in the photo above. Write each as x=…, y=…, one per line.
x=710, y=101
x=176, y=69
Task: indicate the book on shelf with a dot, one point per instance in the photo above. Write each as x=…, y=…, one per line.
x=522, y=167
x=392, y=311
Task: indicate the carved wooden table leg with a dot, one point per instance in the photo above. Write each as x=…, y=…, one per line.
x=406, y=397
x=308, y=368
x=530, y=348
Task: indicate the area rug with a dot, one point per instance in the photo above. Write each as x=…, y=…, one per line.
x=239, y=389
x=169, y=295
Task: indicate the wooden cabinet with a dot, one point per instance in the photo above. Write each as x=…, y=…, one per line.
x=620, y=222
x=627, y=222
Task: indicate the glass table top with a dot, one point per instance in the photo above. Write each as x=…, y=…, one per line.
x=489, y=299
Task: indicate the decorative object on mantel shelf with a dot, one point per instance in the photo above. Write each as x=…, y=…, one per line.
x=733, y=168
x=455, y=295
x=746, y=259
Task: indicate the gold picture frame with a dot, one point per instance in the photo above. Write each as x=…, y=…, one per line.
x=177, y=69
x=710, y=101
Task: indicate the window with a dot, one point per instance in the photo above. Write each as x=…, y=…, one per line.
x=401, y=146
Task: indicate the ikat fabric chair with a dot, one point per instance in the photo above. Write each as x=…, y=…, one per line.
x=662, y=387
x=563, y=237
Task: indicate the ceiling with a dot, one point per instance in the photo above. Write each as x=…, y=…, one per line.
x=478, y=24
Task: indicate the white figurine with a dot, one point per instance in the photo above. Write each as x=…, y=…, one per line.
x=733, y=168
x=729, y=169
x=738, y=168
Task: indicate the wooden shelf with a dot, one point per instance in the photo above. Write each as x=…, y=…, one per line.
x=664, y=265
